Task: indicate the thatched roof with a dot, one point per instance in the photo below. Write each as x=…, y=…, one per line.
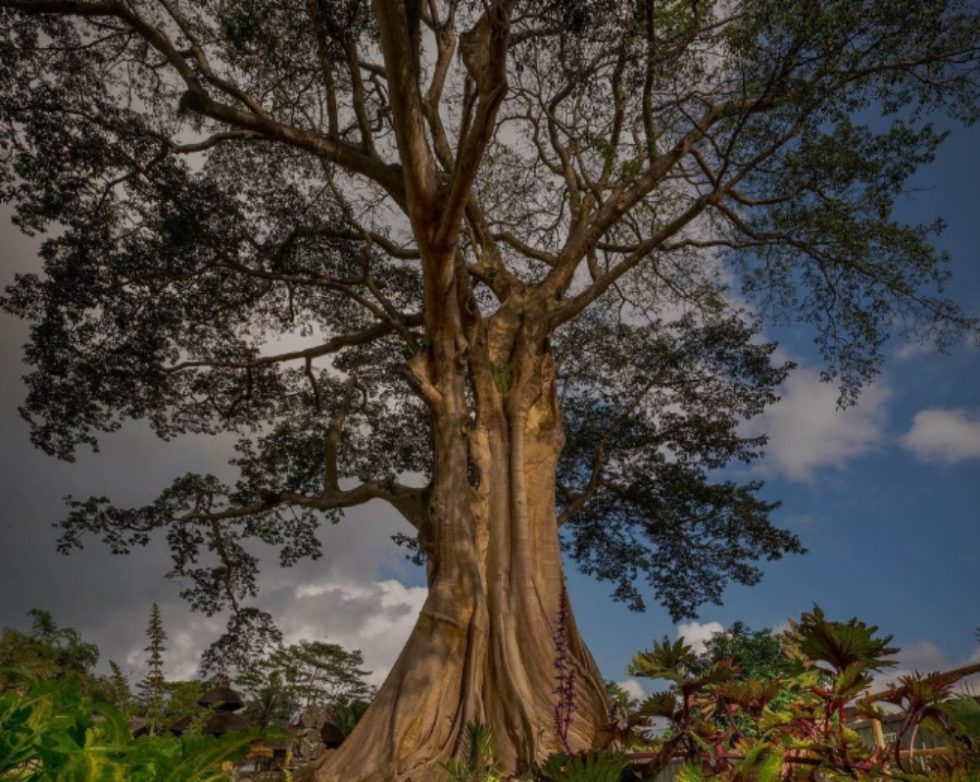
x=181, y=725
x=139, y=726
x=221, y=699
x=222, y=722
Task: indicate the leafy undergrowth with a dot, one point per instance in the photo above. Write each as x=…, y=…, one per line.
x=49, y=732
x=800, y=724
x=797, y=718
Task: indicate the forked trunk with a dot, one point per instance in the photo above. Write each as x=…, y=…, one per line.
x=483, y=649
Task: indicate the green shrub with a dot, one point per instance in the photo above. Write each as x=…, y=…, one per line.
x=599, y=766
x=50, y=732
x=476, y=762
x=730, y=727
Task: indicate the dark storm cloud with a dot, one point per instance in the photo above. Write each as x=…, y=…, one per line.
x=108, y=597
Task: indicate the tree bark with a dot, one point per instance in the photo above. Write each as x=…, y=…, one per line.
x=483, y=649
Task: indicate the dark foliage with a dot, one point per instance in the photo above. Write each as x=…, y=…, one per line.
x=214, y=262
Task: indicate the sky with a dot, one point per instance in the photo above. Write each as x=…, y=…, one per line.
x=886, y=497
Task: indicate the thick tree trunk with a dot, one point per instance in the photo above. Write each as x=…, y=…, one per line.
x=483, y=650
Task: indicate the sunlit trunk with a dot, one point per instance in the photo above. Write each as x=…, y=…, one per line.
x=483, y=649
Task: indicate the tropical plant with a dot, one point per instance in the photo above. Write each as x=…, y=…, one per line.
x=622, y=699
x=476, y=761
x=799, y=725
x=50, y=732
x=597, y=766
x=838, y=647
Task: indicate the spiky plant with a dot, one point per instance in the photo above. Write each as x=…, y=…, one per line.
x=839, y=645
x=476, y=761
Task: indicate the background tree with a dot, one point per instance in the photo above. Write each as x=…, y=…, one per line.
x=758, y=654
x=307, y=673
x=179, y=699
x=51, y=652
x=268, y=701
x=152, y=686
x=499, y=236
x=48, y=651
x=122, y=695
x=318, y=673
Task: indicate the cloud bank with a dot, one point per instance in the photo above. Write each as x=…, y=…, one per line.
x=944, y=436
x=807, y=432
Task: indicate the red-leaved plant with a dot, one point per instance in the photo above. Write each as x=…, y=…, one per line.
x=804, y=724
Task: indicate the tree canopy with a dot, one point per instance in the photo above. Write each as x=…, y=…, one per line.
x=307, y=673
x=48, y=651
x=219, y=175
x=758, y=654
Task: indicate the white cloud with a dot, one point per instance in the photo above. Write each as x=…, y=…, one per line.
x=944, y=436
x=910, y=349
x=923, y=656
x=340, y=598
x=696, y=634
x=926, y=657
x=782, y=627
x=806, y=430
x=633, y=688
x=373, y=616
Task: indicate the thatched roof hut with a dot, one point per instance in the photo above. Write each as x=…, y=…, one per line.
x=221, y=699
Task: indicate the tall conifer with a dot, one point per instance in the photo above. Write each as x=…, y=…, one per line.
x=120, y=687
x=151, y=688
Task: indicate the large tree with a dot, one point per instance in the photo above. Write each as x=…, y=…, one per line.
x=498, y=235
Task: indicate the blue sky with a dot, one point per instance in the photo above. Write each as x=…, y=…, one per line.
x=889, y=510
x=886, y=497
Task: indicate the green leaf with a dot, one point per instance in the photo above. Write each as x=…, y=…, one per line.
x=842, y=645
x=689, y=772
x=964, y=714
x=665, y=661
x=660, y=704
x=852, y=680
x=762, y=763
